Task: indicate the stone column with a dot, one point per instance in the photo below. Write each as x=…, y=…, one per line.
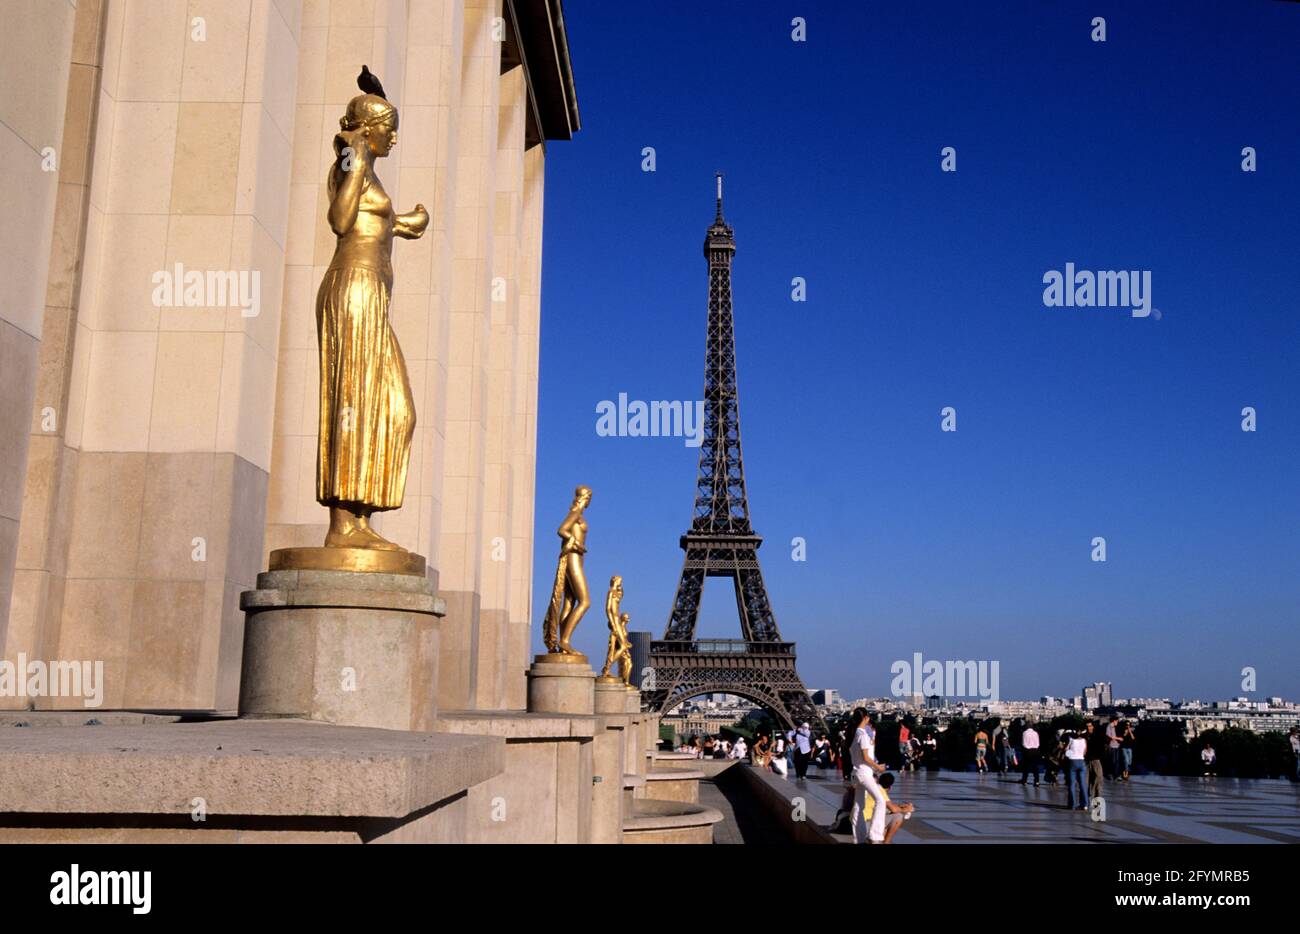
x=43, y=67
x=500, y=556
x=463, y=545
x=524, y=446
x=168, y=433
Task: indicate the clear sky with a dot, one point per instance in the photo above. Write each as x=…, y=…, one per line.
x=925, y=290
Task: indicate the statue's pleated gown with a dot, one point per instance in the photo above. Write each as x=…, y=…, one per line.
x=367, y=414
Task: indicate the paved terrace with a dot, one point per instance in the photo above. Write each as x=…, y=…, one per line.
x=955, y=807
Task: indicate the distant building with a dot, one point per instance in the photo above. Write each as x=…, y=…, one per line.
x=640, y=654
x=1027, y=710
x=1097, y=694
x=1273, y=715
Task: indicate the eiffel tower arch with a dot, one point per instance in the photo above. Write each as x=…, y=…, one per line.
x=759, y=666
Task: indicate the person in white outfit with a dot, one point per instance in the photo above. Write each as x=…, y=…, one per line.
x=862, y=752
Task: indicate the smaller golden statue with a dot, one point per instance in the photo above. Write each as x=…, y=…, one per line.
x=620, y=648
x=569, y=599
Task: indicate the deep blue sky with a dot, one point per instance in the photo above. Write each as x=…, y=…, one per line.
x=925, y=290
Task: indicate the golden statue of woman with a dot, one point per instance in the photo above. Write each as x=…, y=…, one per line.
x=569, y=599
x=367, y=415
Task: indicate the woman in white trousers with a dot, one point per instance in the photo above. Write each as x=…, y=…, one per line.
x=865, y=769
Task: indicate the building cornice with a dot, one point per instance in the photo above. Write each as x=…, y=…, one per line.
x=543, y=48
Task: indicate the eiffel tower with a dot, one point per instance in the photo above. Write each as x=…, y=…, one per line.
x=721, y=543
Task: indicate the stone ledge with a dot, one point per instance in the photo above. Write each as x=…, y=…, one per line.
x=674, y=775
x=240, y=767
x=668, y=815
x=254, y=600
x=342, y=580
x=80, y=716
x=519, y=724
x=331, y=589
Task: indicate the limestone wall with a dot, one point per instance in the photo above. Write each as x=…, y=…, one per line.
x=171, y=446
x=43, y=50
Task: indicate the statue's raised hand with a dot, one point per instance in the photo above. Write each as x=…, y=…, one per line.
x=353, y=149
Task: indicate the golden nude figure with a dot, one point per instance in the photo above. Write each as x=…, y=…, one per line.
x=569, y=598
x=619, y=649
x=367, y=414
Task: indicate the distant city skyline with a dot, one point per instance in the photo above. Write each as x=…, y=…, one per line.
x=925, y=290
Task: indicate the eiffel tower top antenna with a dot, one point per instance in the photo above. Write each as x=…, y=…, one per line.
x=719, y=177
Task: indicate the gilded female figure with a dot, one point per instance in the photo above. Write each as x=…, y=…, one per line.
x=569, y=599
x=367, y=415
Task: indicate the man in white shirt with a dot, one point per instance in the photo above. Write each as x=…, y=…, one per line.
x=1029, y=760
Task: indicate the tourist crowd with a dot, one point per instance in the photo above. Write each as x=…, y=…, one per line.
x=1082, y=759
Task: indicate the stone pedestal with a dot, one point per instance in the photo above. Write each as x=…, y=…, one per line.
x=352, y=648
x=611, y=697
x=633, y=700
x=561, y=684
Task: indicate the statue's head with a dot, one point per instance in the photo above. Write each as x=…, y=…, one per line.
x=616, y=583
x=582, y=497
x=376, y=117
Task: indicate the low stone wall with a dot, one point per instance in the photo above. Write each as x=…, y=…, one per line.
x=775, y=798
x=239, y=781
x=544, y=792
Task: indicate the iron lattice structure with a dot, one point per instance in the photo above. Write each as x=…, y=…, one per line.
x=721, y=543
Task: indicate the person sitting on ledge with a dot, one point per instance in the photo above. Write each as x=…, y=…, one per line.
x=897, y=812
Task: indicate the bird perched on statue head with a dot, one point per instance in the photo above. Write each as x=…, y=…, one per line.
x=369, y=84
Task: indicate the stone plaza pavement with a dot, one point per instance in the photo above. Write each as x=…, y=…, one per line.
x=955, y=807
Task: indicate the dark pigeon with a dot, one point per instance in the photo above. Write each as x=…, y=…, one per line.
x=369, y=84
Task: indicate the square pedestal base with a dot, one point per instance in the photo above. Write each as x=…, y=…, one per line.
x=611, y=697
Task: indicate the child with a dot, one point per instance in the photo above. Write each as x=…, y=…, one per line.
x=897, y=812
